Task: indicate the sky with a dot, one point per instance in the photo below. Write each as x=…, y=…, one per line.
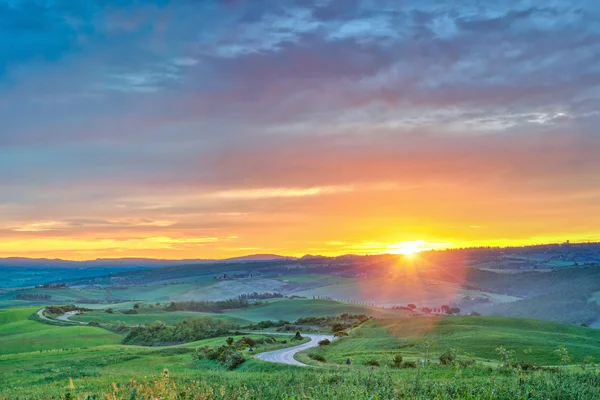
x=213, y=129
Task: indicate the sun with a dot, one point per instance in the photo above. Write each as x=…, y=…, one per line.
x=409, y=248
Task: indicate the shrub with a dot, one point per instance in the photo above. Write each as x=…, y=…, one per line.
x=226, y=355
x=324, y=342
x=93, y=323
x=297, y=336
x=523, y=365
x=247, y=341
x=397, y=361
x=317, y=357
x=109, y=310
x=233, y=360
x=448, y=357
x=409, y=364
x=340, y=334
x=372, y=363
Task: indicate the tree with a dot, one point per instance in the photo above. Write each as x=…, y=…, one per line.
x=298, y=336
x=109, y=310
x=506, y=356
x=229, y=341
x=588, y=361
x=412, y=306
x=397, y=361
x=426, y=310
x=445, y=308
x=563, y=355
x=453, y=310
x=426, y=345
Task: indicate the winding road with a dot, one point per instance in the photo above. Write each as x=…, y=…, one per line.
x=65, y=317
x=286, y=356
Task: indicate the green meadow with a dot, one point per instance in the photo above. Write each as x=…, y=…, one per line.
x=19, y=334
x=41, y=361
x=478, y=337
x=146, y=317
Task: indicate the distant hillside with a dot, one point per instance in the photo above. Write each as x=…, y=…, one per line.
x=123, y=262
x=258, y=257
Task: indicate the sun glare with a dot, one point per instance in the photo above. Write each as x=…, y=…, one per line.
x=408, y=248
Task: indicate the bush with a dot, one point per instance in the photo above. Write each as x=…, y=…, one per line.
x=226, y=355
x=340, y=334
x=524, y=366
x=409, y=364
x=372, y=363
x=297, y=336
x=247, y=341
x=317, y=357
x=109, y=310
x=233, y=360
x=93, y=323
x=397, y=361
x=448, y=357
x=324, y=342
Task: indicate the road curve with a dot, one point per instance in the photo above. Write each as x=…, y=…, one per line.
x=286, y=356
x=65, y=317
x=42, y=316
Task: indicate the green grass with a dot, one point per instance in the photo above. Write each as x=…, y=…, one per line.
x=478, y=336
x=147, y=317
x=98, y=367
x=291, y=310
x=18, y=334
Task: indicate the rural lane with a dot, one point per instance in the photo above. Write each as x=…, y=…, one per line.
x=65, y=317
x=286, y=356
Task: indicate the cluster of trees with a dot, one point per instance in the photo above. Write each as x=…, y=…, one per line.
x=60, y=310
x=427, y=310
x=230, y=355
x=190, y=330
x=261, y=296
x=29, y=296
x=337, y=324
x=51, y=286
x=209, y=306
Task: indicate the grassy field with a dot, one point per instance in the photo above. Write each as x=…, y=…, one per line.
x=531, y=340
x=76, y=362
x=18, y=334
x=145, y=317
x=276, y=309
x=291, y=310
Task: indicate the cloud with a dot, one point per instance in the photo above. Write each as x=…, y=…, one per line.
x=214, y=119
